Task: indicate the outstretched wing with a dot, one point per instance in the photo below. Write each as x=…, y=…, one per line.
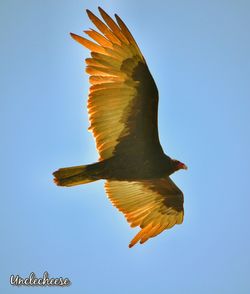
x=154, y=205
x=123, y=98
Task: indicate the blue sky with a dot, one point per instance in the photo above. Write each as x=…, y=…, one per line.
x=198, y=53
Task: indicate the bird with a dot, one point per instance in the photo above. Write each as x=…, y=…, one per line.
x=123, y=115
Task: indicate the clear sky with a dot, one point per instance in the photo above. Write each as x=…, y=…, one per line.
x=198, y=53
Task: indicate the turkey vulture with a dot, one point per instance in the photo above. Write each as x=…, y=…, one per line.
x=123, y=107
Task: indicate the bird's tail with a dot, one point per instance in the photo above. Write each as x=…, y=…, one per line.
x=77, y=175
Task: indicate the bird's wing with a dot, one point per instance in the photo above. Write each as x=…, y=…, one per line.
x=123, y=97
x=154, y=205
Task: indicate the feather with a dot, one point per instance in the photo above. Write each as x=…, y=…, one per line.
x=102, y=27
x=99, y=38
x=88, y=44
x=128, y=35
x=113, y=26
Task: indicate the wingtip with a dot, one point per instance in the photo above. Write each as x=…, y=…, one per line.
x=72, y=35
x=118, y=19
x=79, y=39
x=89, y=13
x=131, y=244
x=75, y=37
x=102, y=11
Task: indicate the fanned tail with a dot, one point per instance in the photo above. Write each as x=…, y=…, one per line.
x=75, y=175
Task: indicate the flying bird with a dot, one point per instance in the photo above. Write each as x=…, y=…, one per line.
x=123, y=110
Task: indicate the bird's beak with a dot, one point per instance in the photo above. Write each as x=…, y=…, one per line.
x=184, y=167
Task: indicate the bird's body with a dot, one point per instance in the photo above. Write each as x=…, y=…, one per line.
x=123, y=112
x=135, y=168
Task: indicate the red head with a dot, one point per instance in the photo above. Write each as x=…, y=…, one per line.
x=179, y=165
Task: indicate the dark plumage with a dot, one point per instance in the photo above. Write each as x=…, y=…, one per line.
x=123, y=111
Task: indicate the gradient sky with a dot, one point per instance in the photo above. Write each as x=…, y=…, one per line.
x=198, y=53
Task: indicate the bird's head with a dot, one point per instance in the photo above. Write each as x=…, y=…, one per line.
x=179, y=165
